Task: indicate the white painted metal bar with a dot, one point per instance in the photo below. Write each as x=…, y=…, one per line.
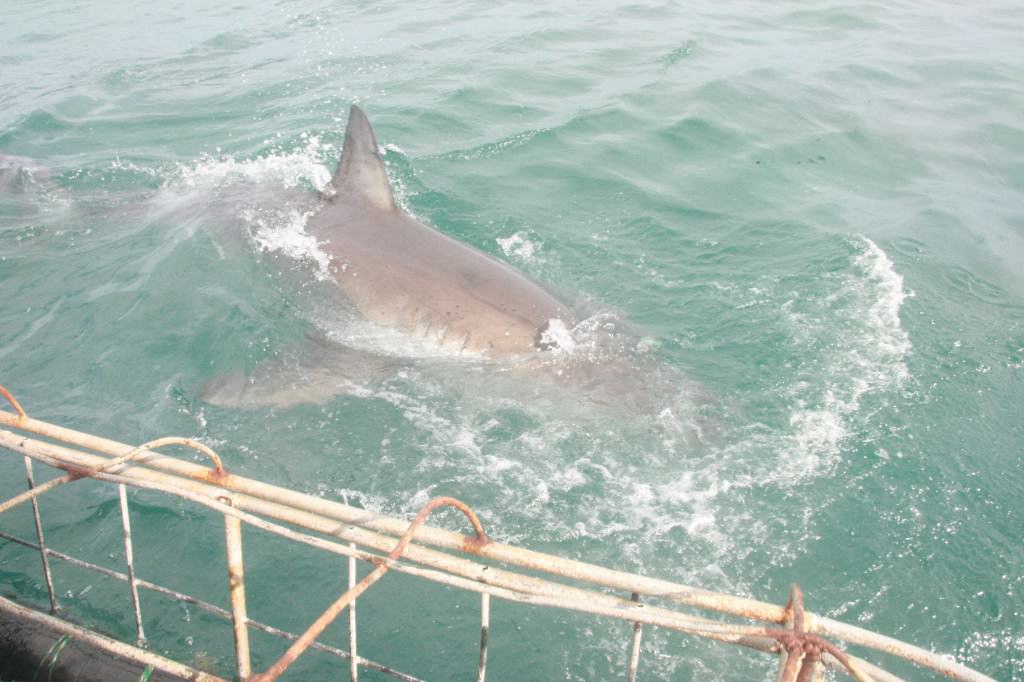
x=354, y=656
x=485, y=627
x=236, y=587
x=469, y=573
x=634, y=649
x=39, y=534
x=126, y=525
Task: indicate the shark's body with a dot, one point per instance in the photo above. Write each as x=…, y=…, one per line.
x=400, y=273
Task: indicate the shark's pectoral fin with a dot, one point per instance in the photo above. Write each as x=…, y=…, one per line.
x=361, y=175
x=311, y=373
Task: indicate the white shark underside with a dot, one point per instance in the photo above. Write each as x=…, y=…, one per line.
x=400, y=273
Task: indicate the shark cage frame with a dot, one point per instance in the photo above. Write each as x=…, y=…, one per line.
x=805, y=643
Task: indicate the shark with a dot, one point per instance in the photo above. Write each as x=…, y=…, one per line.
x=400, y=273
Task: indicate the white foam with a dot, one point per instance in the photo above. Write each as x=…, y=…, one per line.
x=276, y=224
x=286, y=169
x=557, y=334
x=865, y=355
x=883, y=314
x=284, y=232
x=119, y=164
x=518, y=246
x=854, y=346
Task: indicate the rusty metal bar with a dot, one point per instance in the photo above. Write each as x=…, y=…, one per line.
x=128, y=559
x=14, y=403
x=485, y=626
x=804, y=651
x=236, y=587
x=587, y=603
x=39, y=529
x=787, y=669
x=65, y=557
x=354, y=657
x=634, y=650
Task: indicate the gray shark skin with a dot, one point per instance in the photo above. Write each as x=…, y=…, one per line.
x=510, y=338
x=400, y=273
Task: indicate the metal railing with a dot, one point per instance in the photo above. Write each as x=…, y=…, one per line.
x=802, y=640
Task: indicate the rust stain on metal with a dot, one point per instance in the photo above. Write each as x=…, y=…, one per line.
x=77, y=472
x=474, y=545
x=218, y=466
x=218, y=477
x=13, y=402
x=805, y=649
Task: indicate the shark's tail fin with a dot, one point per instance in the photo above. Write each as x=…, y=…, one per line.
x=361, y=175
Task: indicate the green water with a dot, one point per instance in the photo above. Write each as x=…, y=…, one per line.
x=806, y=220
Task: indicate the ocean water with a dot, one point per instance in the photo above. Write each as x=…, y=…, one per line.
x=796, y=229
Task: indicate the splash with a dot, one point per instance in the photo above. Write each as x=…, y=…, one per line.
x=295, y=169
x=864, y=350
x=518, y=246
x=557, y=336
x=849, y=344
x=259, y=190
x=284, y=232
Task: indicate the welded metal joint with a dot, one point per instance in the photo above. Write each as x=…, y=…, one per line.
x=802, y=651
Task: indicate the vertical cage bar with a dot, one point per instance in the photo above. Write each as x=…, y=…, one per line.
x=236, y=586
x=634, y=651
x=354, y=657
x=788, y=669
x=39, y=534
x=128, y=558
x=485, y=627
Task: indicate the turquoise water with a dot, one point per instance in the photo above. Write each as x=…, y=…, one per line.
x=805, y=225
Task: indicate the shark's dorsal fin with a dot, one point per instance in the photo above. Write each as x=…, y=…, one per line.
x=360, y=175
